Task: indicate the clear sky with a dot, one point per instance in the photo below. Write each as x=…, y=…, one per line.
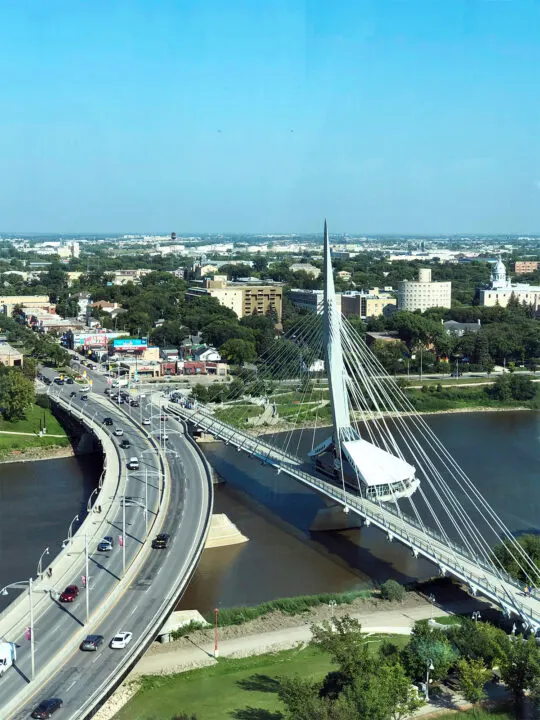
x=406, y=116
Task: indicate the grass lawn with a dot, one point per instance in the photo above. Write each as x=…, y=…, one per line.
x=244, y=689
x=30, y=424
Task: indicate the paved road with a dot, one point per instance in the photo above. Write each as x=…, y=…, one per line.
x=80, y=676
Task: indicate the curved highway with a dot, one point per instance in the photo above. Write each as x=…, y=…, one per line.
x=179, y=504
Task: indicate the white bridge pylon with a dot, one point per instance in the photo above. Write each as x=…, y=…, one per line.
x=379, y=471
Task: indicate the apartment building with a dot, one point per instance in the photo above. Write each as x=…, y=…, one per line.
x=423, y=293
x=522, y=267
x=370, y=304
x=244, y=300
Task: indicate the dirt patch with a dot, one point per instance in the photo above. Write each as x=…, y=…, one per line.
x=37, y=453
x=281, y=621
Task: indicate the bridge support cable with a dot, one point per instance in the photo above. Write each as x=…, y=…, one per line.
x=384, y=400
x=403, y=404
x=387, y=402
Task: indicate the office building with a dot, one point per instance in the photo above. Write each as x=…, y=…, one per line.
x=423, y=293
x=244, y=300
x=522, y=267
x=370, y=304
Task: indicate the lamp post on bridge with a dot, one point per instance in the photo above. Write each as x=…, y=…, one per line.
x=40, y=561
x=30, y=629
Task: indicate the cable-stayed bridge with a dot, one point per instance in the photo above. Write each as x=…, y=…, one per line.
x=377, y=458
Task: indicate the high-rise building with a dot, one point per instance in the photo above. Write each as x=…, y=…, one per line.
x=423, y=293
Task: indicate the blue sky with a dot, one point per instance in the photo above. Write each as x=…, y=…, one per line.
x=407, y=116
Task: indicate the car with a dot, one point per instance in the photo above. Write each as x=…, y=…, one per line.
x=90, y=366
x=108, y=421
x=72, y=394
x=160, y=542
x=92, y=642
x=121, y=640
x=84, y=397
x=105, y=545
x=133, y=463
x=84, y=388
x=46, y=708
x=118, y=432
x=69, y=381
x=47, y=380
x=163, y=436
x=69, y=594
x=134, y=403
x=125, y=444
x=107, y=391
x=58, y=381
x=118, y=400
x=146, y=421
x=164, y=417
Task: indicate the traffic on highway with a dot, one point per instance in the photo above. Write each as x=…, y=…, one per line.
x=128, y=578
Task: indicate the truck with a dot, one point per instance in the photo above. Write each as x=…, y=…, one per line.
x=120, y=383
x=8, y=655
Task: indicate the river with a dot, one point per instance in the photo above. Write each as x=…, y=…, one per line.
x=499, y=451
x=38, y=500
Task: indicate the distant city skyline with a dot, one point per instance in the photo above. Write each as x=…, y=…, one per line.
x=390, y=118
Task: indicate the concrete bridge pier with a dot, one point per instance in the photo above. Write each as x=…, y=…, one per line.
x=335, y=517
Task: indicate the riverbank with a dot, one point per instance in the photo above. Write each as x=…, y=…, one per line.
x=24, y=439
x=35, y=454
x=287, y=427
x=280, y=634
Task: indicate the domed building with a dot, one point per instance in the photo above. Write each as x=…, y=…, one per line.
x=500, y=290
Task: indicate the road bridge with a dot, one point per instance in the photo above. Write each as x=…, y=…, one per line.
x=133, y=587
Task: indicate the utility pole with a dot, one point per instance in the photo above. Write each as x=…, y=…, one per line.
x=124, y=535
x=87, y=577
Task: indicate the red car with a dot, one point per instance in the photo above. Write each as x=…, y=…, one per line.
x=69, y=594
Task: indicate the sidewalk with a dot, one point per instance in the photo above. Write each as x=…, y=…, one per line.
x=185, y=654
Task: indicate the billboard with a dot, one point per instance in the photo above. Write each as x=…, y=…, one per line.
x=95, y=339
x=130, y=344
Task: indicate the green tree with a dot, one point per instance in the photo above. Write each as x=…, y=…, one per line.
x=520, y=668
x=501, y=389
x=392, y=590
x=16, y=394
x=505, y=553
x=478, y=641
x=522, y=387
x=473, y=675
x=238, y=351
x=428, y=645
x=29, y=368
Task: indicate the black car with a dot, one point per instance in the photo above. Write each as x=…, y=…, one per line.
x=134, y=403
x=107, y=391
x=73, y=394
x=69, y=381
x=160, y=541
x=84, y=397
x=58, y=381
x=91, y=642
x=47, y=707
x=107, y=421
x=125, y=444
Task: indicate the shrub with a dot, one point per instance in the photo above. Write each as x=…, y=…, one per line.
x=392, y=590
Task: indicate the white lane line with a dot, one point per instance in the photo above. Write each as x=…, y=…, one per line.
x=71, y=684
x=131, y=613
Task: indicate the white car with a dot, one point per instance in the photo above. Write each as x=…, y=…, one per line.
x=163, y=437
x=146, y=421
x=84, y=388
x=121, y=640
x=118, y=432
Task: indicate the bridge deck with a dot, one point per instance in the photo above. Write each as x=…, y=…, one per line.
x=480, y=576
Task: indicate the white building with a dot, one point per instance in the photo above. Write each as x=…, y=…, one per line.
x=501, y=289
x=423, y=293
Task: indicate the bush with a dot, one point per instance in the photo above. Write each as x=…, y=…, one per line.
x=392, y=590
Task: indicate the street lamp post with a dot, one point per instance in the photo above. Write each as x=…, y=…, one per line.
x=22, y=584
x=87, y=594
x=70, y=531
x=216, y=649
x=89, y=503
x=146, y=501
x=40, y=562
x=430, y=666
x=332, y=604
x=476, y=616
x=432, y=600
x=123, y=535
